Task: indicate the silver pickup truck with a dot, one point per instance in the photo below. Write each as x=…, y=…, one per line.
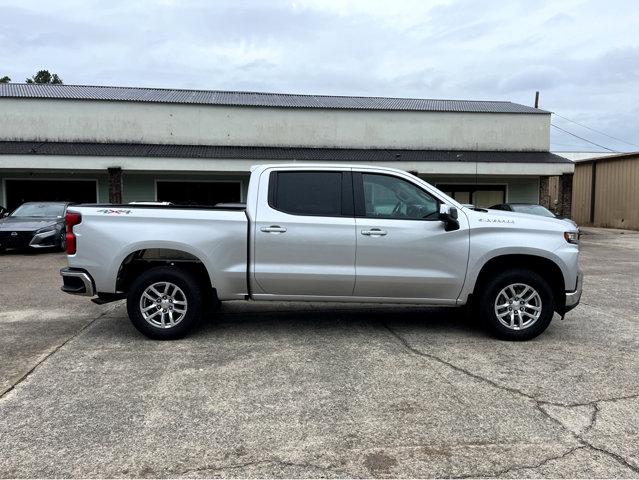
x=324, y=233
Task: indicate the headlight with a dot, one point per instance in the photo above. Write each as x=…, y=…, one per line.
x=572, y=237
x=46, y=229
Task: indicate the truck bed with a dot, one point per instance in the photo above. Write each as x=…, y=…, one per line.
x=216, y=236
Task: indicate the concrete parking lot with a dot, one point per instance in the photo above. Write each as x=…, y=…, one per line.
x=312, y=390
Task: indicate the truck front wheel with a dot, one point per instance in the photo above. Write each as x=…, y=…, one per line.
x=164, y=303
x=516, y=304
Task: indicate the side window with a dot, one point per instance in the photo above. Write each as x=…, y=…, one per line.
x=391, y=197
x=311, y=193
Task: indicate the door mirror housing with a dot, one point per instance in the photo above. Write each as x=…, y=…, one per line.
x=449, y=215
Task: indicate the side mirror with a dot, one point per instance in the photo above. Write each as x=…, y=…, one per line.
x=449, y=215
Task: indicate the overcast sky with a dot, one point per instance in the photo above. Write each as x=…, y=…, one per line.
x=582, y=55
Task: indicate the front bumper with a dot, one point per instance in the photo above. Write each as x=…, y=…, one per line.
x=26, y=239
x=572, y=298
x=15, y=239
x=77, y=282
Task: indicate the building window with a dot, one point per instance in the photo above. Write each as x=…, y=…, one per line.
x=18, y=191
x=483, y=196
x=198, y=193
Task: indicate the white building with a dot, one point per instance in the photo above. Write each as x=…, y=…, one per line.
x=86, y=143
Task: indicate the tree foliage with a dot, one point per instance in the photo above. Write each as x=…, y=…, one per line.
x=44, y=77
x=5, y=79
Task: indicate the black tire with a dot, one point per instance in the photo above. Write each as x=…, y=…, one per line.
x=488, y=296
x=191, y=289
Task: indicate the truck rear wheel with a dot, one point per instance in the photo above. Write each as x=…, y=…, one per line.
x=516, y=304
x=164, y=303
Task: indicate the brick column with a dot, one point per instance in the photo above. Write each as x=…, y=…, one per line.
x=544, y=194
x=115, y=185
x=565, y=195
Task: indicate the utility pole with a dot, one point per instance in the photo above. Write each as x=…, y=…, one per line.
x=537, y=99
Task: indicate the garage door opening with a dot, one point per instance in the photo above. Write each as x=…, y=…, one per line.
x=482, y=196
x=76, y=191
x=198, y=193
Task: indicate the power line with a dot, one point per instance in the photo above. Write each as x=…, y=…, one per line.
x=584, y=139
x=594, y=130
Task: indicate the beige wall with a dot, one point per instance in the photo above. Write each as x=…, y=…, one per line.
x=616, y=193
x=106, y=121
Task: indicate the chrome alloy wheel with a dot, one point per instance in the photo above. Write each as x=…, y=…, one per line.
x=518, y=306
x=163, y=305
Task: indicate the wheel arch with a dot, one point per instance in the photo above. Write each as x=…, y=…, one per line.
x=548, y=269
x=143, y=259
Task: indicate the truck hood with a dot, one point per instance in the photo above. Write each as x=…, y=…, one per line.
x=520, y=220
x=28, y=223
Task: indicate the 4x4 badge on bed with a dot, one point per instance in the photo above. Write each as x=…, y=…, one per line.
x=114, y=211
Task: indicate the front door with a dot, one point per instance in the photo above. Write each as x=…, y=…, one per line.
x=304, y=234
x=402, y=248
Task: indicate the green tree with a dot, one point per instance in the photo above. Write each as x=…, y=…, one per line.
x=43, y=76
x=5, y=79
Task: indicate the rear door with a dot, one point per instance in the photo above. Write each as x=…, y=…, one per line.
x=304, y=234
x=403, y=250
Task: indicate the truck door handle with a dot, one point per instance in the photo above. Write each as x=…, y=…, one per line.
x=374, y=232
x=273, y=229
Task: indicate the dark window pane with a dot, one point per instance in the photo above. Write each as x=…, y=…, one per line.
x=309, y=193
x=77, y=191
x=198, y=193
x=391, y=197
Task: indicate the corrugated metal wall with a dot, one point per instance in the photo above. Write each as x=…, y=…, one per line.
x=616, y=202
x=581, y=183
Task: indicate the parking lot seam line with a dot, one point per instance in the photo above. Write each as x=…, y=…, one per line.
x=526, y=467
x=538, y=403
x=605, y=313
x=616, y=456
x=211, y=468
x=53, y=351
x=415, y=351
x=593, y=419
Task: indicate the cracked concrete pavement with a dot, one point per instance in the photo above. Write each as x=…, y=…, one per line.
x=317, y=390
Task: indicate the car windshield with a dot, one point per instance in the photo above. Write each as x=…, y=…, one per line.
x=533, y=210
x=39, y=210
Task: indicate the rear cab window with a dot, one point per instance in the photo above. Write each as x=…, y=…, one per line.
x=311, y=193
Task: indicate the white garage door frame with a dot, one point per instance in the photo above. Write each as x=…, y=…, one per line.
x=5, y=180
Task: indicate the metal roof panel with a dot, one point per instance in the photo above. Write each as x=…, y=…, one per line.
x=272, y=153
x=256, y=99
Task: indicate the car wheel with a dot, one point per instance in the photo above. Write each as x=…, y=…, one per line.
x=165, y=303
x=517, y=305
